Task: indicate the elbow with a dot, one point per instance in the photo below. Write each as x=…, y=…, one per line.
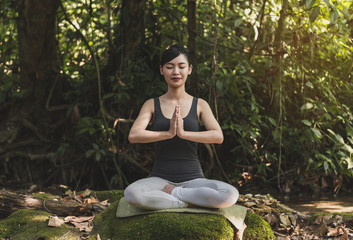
x=220, y=139
x=131, y=138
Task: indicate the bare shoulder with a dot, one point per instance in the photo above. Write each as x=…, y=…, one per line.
x=147, y=107
x=202, y=105
x=149, y=103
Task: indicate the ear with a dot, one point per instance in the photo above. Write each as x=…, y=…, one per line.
x=190, y=69
x=161, y=70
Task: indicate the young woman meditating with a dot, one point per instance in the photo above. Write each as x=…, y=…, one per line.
x=177, y=180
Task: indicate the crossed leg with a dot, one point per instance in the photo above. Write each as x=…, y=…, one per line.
x=158, y=193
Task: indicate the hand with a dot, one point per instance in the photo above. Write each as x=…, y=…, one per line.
x=180, y=126
x=173, y=122
x=168, y=188
x=177, y=123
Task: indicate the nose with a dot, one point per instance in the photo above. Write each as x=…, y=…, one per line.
x=176, y=71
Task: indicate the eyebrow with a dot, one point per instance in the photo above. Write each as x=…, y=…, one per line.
x=169, y=63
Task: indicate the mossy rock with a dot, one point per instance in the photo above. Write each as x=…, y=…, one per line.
x=257, y=228
x=173, y=225
x=161, y=226
x=30, y=224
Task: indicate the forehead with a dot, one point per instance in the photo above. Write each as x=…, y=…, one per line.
x=181, y=59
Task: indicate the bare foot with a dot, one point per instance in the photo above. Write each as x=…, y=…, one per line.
x=240, y=232
x=169, y=188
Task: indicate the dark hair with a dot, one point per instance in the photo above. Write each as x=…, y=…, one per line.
x=172, y=52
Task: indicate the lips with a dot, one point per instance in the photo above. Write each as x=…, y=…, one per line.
x=176, y=79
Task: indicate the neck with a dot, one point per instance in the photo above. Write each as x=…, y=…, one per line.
x=176, y=93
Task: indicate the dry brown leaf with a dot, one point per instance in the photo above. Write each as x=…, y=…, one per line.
x=285, y=221
x=104, y=203
x=334, y=231
x=82, y=223
x=319, y=229
x=54, y=221
x=90, y=200
x=86, y=193
x=272, y=219
x=323, y=219
x=345, y=235
x=249, y=204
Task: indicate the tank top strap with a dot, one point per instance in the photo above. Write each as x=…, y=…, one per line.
x=157, y=108
x=193, y=110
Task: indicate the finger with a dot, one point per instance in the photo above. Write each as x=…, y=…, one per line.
x=177, y=109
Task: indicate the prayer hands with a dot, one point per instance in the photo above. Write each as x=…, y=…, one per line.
x=177, y=123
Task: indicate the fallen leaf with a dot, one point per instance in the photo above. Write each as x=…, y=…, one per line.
x=82, y=223
x=333, y=232
x=86, y=193
x=285, y=221
x=319, y=229
x=272, y=219
x=249, y=204
x=323, y=219
x=345, y=235
x=54, y=221
x=90, y=200
x=104, y=203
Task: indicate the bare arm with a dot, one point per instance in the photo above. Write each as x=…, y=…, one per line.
x=139, y=133
x=213, y=133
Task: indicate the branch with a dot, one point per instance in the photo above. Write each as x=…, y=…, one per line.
x=11, y=202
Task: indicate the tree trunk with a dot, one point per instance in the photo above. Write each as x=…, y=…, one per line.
x=39, y=65
x=11, y=202
x=128, y=36
x=192, y=29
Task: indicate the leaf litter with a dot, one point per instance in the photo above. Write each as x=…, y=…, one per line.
x=289, y=224
x=82, y=223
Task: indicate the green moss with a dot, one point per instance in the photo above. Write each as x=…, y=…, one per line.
x=257, y=228
x=31, y=224
x=345, y=216
x=112, y=196
x=162, y=226
x=46, y=196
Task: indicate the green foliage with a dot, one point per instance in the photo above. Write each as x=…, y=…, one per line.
x=282, y=96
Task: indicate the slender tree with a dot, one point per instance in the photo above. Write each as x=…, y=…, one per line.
x=192, y=32
x=129, y=34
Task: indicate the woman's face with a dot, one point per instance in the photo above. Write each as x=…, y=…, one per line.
x=176, y=71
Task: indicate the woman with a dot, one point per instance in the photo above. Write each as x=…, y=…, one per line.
x=177, y=180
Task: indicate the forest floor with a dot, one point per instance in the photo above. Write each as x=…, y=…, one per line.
x=304, y=218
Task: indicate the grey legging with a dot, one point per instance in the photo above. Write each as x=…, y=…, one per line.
x=147, y=193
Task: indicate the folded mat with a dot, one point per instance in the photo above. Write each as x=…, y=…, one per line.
x=235, y=214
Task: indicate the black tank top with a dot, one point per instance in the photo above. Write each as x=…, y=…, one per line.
x=176, y=158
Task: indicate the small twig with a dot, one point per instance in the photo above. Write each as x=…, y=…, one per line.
x=62, y=237
x=29, y=171
x=45, y=206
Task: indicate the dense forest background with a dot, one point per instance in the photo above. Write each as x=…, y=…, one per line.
x=277, y=74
